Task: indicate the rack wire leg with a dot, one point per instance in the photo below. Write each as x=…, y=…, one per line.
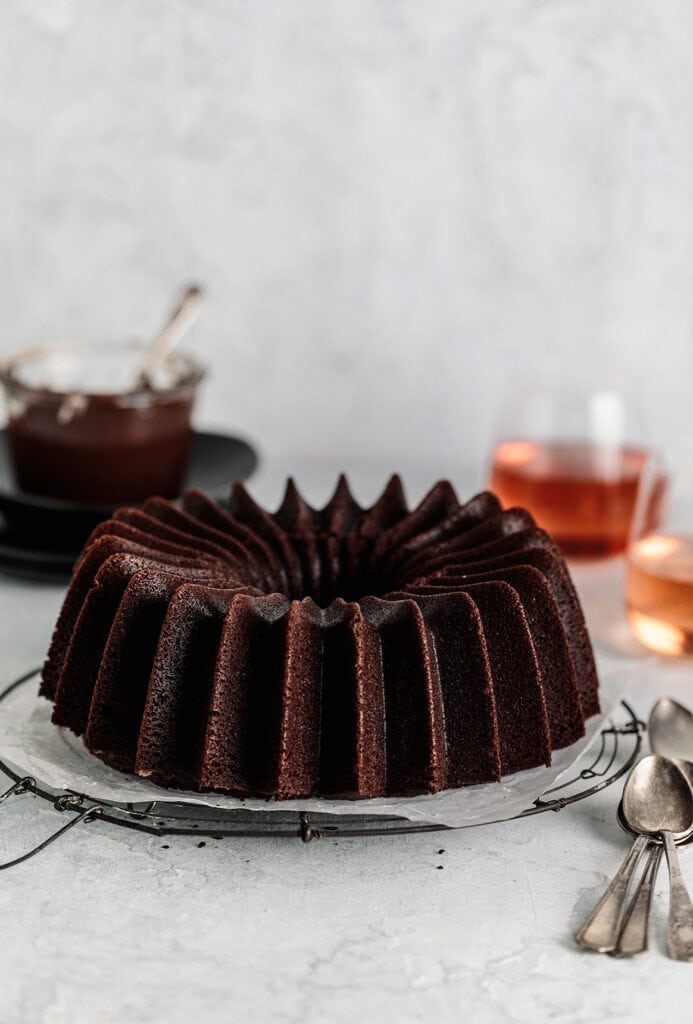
x=84, y=818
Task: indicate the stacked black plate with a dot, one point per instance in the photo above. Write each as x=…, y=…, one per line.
x=40, y=538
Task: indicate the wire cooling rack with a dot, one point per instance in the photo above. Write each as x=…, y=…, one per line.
x=619, y=747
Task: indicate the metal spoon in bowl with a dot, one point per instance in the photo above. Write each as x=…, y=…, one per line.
x=183, y=316
x=658, y=800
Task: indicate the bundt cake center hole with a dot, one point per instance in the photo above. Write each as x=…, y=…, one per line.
x=329, y=575
x=353, y=589
x=328, y=590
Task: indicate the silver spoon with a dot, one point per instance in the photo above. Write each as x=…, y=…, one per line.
x=658, y=800
x=603, y=927
x=183, y=316
x=633, y=937
x=670, y=730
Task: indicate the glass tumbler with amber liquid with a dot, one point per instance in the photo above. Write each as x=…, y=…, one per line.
x=574, y=458
x=659, y=579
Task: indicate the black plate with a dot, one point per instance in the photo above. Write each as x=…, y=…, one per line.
x=18, y=559
x=41, y=537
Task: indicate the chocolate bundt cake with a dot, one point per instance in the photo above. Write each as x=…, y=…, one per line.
x=341, y=652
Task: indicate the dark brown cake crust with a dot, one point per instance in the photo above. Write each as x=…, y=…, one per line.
x=335, y=652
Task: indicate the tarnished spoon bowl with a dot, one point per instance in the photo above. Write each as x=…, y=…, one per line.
x=670, y=729
x=680, y=838
x=657, y=799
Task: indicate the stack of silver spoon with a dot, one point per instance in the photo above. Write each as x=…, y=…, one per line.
x=656, y=808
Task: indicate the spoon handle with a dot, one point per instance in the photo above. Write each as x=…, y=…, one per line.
x=633, y=938
x=680, y=937
x=182, y=318
x=601, y=929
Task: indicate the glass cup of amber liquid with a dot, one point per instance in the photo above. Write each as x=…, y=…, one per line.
x=659, y=578
x=82, y=427
x=574, y=458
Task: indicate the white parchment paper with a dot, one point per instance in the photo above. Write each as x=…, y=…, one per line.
x=32, y=744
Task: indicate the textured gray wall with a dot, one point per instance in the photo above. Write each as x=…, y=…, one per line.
x=392, y=203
